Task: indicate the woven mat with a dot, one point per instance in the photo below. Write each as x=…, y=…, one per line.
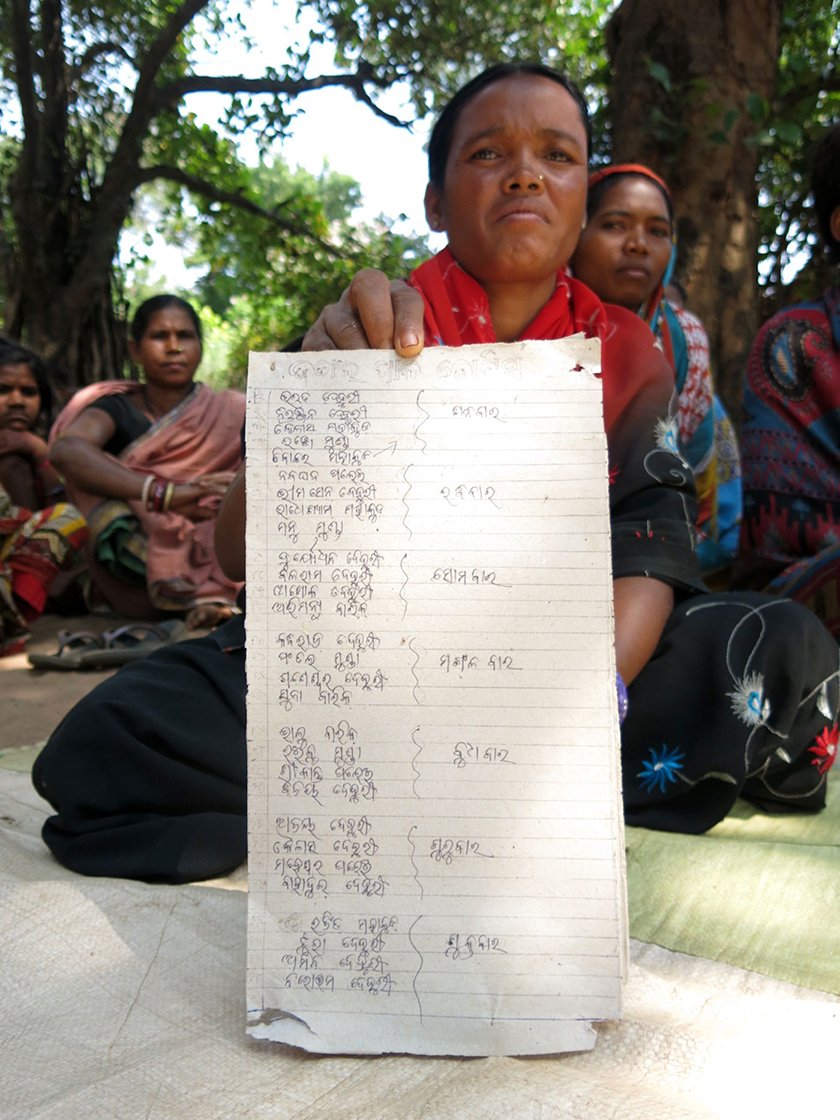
x=120, y=1000
x=758, y=891
x=761, y=892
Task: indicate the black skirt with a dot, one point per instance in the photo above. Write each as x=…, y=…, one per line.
x=147, y=774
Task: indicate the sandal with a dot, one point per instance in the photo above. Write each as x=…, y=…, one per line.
x=71, y=646
x=112, y=648
x=136, y=640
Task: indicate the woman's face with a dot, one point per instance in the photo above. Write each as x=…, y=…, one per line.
x=20, y=398
x=514, y=189
x=169, y=349
x=624, y=250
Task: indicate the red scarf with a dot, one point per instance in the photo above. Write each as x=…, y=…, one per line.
x=458, y=312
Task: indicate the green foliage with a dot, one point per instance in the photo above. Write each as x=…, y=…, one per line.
x=94, y=110
x=290, y=293
x=660, y=74
x=261, y=283
x=433, y=45
x=221, y=338
x=807, y=100
x=782, y=129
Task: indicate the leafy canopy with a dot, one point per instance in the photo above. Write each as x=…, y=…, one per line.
x=265, y=282
x=95, y=106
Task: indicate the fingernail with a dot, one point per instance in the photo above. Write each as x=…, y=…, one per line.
x=410, y=339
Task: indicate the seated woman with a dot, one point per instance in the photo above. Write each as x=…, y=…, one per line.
x=790, y=538
x=147, y=773
x=147, y=463
x=728, y=694
x=626, y=255
x=42, y=538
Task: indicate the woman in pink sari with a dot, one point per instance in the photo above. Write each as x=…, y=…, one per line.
x=147, y=462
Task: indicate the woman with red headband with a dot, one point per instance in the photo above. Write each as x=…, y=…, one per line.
x=626, y=254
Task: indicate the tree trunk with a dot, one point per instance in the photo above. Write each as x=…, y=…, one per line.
x=690, y=121
x=47, y=304
x=77, y=349
x=77, y=333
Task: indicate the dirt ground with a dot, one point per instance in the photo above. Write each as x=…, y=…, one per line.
x=33, y=701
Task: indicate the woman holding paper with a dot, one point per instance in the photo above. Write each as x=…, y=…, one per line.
x=729, y=694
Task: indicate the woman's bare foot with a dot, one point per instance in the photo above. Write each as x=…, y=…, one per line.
x=207, y=616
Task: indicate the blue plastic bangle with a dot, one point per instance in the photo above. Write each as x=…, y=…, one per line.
x=623, y=701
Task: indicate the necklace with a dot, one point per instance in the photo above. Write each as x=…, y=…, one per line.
x=147, y=407
x=155, y=415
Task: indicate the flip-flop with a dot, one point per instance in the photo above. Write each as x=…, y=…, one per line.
x=85, y=650
x=136, y=640
x=71, y=646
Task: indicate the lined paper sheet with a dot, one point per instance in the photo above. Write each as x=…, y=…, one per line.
x=435, y=836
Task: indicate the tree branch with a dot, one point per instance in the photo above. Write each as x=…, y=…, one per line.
x=234, y=198
x=54, y=84
x=120, y=178
x=172, y=92
x=96, y=51
x=121, y=175
x=24, y=74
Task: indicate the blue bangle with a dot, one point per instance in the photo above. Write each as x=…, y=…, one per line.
x=623, y=701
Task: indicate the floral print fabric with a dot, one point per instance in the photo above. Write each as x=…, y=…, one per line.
x=790, y=538
x=739, y=699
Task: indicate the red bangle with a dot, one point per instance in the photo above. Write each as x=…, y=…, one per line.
x=157, y=496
